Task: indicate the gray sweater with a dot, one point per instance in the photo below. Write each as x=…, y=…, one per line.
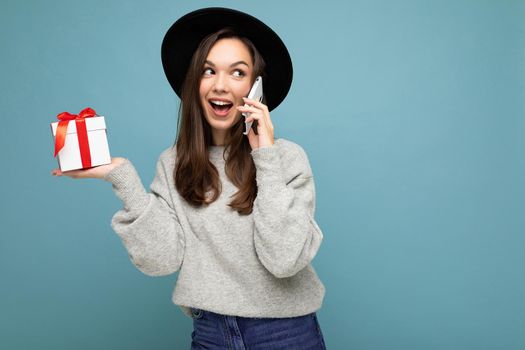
x=257, y=265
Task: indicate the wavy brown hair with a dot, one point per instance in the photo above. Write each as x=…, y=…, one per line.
x=194, y=174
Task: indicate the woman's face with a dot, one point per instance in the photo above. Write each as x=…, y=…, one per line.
x=225, y=80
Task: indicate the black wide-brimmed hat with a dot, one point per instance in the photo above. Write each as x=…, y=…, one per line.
x=185, y=35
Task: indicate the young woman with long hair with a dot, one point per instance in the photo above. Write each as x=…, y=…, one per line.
x=233, y=213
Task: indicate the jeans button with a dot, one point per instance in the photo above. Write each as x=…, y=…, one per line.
x=197, y=313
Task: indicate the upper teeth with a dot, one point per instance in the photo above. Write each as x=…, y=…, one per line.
x=220, y=103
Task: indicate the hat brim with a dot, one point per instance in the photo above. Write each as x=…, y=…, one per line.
x=184, y=36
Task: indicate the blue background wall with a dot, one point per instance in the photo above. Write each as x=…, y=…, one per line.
x=412, y=114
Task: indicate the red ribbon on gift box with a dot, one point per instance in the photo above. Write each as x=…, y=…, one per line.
x=83, y=142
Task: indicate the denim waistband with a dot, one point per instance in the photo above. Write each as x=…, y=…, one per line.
x=198, y=313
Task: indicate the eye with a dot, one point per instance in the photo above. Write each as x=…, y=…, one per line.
x=241, y=73
x=206, y=70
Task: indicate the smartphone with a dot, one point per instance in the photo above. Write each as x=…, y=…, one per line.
x=256, y=93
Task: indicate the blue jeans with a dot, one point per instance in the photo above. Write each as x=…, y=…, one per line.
x=216, y=331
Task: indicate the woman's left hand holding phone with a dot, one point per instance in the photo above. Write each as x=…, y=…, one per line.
x=258, y=111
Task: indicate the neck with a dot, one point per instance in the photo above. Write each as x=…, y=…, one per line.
x=218, y=137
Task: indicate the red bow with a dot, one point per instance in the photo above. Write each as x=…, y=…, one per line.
x=80, y=121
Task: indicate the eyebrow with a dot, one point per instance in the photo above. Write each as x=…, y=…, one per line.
x=231, y=65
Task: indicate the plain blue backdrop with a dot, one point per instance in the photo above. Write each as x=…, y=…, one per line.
x=411, y=113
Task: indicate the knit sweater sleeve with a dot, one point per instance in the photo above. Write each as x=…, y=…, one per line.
x=147, y=224
x=286, y=236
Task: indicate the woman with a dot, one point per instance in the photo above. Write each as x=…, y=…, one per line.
x=234, y=214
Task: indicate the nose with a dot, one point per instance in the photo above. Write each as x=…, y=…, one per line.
x=220, y=84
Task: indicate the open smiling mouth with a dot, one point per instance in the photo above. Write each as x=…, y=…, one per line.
x=221, y=108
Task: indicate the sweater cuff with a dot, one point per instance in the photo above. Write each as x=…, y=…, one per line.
x=128, y=186
x=268, y=164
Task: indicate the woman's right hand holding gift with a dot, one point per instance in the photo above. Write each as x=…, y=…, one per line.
x=98, y=172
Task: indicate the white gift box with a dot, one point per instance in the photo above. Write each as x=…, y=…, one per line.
x=69, y=157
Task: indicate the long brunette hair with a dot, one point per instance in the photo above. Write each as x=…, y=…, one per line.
x=194, y=174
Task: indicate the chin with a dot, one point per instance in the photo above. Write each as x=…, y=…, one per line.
x=222, y=122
